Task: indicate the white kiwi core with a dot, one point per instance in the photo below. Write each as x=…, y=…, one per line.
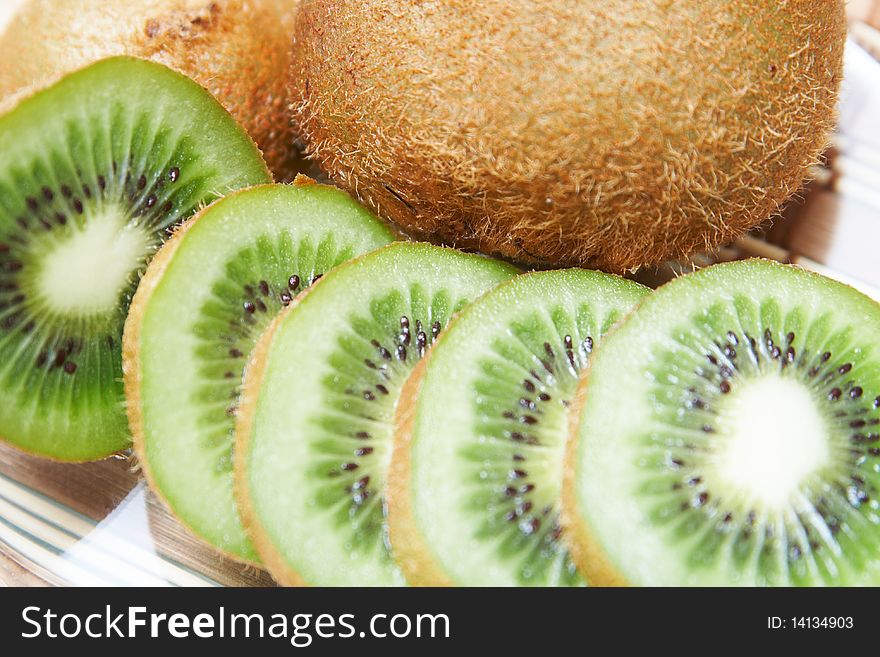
x=85, y=272
x=775, y=439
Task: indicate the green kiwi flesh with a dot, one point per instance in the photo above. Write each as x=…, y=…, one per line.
x=315, y=459
x=94, y=172
x=488, y=439
x=729, y=435
x=240, y=262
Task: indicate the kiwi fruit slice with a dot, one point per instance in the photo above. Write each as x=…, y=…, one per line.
x=203, y=302
x=316, y=420
x=604, y=133
x=476, y=467
x=239, y=50
x=94, y=172
x=729, y=434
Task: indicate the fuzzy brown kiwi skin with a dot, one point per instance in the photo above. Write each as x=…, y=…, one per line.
x=408, y=546
x=706, y=140
x=590, y=558
x=239, y=50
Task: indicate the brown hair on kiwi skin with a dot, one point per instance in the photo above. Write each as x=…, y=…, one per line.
x=588, y=555
x=607, y=134
x=408, y=546
x=239, y=50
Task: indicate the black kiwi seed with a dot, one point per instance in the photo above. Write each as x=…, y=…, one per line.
x=383, y=352
x=404, y=337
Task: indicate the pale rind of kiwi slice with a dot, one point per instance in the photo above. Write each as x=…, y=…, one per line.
x=315, y=426
x=730, y=435
x=95, y=171
x=204, y=301
x=476, y=470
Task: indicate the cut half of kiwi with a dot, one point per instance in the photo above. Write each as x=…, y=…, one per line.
x=476, y=469
x=203, y=303
x=730, y=435
x=94, y=172
x=315, y=426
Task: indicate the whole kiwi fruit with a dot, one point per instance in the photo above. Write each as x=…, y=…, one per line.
x=603, y=133
x=239, y=50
